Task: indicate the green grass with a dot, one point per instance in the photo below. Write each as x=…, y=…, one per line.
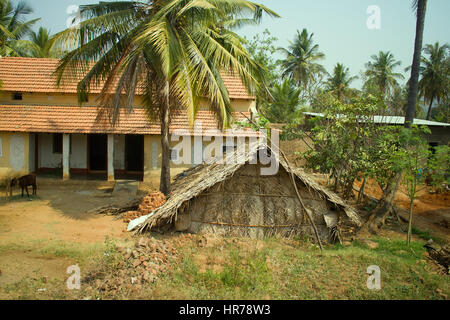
x=251, y=269
x=289, y=272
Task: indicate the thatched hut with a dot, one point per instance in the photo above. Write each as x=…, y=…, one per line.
x=236, y=200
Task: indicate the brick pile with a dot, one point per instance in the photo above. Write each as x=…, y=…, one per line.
x=148, y=204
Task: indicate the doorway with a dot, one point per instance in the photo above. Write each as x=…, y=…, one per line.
x=98, y=152
x=134, y=153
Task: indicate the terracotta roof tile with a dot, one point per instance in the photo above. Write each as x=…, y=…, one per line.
x=36, y=75
x=75, y=119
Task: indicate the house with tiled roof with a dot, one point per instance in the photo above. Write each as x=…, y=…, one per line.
x=44, y=129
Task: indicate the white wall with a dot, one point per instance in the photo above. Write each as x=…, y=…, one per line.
x=78, y=157
x=119, y=152
x=48, y=159
x=31, y=153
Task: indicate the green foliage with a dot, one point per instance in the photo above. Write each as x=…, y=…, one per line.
x=380, y=73
x=439, y=167
x=340, y=141
x=339, y=82
x=301, y=62
x=41, y=45
x=285, y=103
x=14, y=28
x=435, y=74
x=262, y=49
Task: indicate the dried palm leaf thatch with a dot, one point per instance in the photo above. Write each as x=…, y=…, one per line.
x=235, y=199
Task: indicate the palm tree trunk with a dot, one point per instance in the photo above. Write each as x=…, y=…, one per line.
x=413, y=82
x=165, y=145
x=429, y=109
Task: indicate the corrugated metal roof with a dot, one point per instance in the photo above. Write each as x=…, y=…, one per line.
x=394, y=120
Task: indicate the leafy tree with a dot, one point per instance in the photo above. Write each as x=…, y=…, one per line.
x=285, y=103
x=175, y=51
x=380, y=73
x=13, y=28
x=322, y=100
x=441, y=113
x=340, y=139
x=301, y=60
x=262, y=49
x=339, y=82
x=435, y=71
x=439, y=167
x=413, y=160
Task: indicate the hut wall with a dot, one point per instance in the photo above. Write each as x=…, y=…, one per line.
x=250, y=205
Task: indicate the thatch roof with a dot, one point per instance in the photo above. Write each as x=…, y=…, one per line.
x=195, y=181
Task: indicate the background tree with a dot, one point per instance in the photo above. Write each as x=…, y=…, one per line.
x=262, y=50
x=301, y=60
x=14, y=28
x=339, y=82
x=285, y=103
x=380, y=73
x=435, y=74
x=175, y=51
x=41, y=45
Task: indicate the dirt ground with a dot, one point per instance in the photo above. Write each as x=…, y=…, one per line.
x=33, y=233
x=431, y=211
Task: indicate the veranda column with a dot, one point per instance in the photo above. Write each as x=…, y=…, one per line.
x=110, y=157
x=66, y=156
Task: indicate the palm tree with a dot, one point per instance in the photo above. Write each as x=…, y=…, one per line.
x=380, y=72
x=41, y=45
x=300, y=64
x=435, y=72
x=339, y=83
x=13, y=28
x=420, y=7
x=285, y=103
x=174, y=50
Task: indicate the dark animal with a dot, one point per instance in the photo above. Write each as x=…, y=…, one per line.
x=24, y=182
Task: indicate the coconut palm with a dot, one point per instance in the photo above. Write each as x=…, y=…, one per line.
x=173, y=50
x=420, y=7
x=435, y=71
x=41, y=45
x=300, y=63
x=285, y=103
x=380, y=72
x=339, y=83
x=13, y=28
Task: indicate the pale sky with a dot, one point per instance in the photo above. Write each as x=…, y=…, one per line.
x=339, y=26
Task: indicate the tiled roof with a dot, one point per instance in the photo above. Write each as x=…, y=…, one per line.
x=75, y=119
x=36, y=75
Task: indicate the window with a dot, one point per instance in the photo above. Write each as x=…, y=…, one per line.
x=17, y=96
x=58, y=143
x=174, y=155
x=229, y=148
